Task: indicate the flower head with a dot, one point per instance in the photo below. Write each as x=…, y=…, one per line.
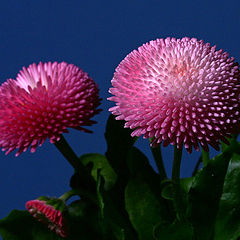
x=50, y=215
x=44, y=101
x=179, y=91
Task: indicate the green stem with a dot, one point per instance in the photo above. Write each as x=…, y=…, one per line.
x=157, y=154
x=99, y=194
x=63, y=146
x=176, y=164
x=205, y=158
x=80, y=193
x=70, y=193
x=178, y=201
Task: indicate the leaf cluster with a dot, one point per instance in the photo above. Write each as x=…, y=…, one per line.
x=128, y=200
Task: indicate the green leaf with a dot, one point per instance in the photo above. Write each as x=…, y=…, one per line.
x=41, y=233
x=186, y=183
x=205, y=194
x=83, y=221
x=175, y=231
x=109, y=222
x=119, y=143
x=99, y=194
x=140, y=168
x=100, y=163
x=234, y=145
x=185, y=186
x=145, y=209
x=168, y=190
x=16, y=226
x=228, y=218
x=20, y=225
x=84, y=181
x=113, y=217
x=146, y=194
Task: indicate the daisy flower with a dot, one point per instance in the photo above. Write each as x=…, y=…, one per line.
x=50, y=215
x=179, y=92
x=44, y=101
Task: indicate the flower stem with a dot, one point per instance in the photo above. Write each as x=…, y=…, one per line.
x=157, y=154
x=63, y=146
x=176, y=164
x=84, y=180
x=78, y=192
x=69, y=194
x=178, y=201
x=205, y=158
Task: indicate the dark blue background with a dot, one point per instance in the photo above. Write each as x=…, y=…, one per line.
x=96, y=36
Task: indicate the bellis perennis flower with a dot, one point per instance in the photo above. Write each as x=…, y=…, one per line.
x=44, y=101
x=48, y=211
x=179, y=91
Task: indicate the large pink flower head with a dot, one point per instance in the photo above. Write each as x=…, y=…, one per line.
x=49, y=212
x=44, y=101
x=179, y=91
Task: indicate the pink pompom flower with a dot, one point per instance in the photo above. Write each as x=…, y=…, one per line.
x=44, y=101
x=49, y=212
x=179, y=91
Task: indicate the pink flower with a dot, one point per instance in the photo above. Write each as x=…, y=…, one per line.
x=48, y=215
x=179, y=91
x=44, y=101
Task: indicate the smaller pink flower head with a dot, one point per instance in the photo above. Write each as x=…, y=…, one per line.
x=44, y=101
x=179, y=91
x=48, y=215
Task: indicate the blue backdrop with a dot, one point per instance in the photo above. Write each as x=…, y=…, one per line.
x=94, y=35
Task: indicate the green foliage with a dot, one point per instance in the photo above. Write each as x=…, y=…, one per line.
x=123, y=198
x=145, y=209
x=168, y=190
x=174, y=231
x=100, y=163
x=110, y=217
x=228, y=218
x=83, y=221
x=205, y=194
x=119, y=143
x=145, y=206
